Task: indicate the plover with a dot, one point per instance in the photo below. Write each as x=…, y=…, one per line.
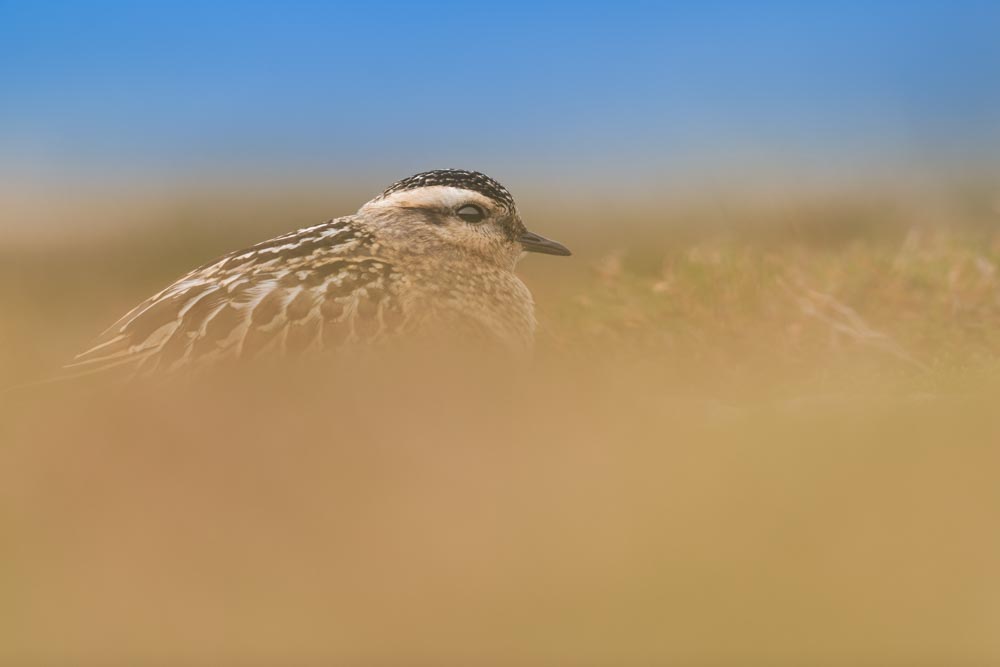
x=433, y=252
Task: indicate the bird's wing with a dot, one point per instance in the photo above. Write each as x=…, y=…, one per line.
x=316, y=288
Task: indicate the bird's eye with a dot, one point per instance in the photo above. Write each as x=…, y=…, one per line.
x=471, y=213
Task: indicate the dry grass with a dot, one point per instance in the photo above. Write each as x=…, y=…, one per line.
x=770, y=442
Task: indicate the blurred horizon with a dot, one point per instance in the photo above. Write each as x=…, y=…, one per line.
x=355, y=95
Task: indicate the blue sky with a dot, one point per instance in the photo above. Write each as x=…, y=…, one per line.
x=277, y=87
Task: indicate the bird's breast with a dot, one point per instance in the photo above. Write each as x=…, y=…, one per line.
x=472, y=304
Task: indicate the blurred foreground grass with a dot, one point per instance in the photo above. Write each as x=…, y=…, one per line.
x=764, y=438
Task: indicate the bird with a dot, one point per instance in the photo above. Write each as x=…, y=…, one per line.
x=433, y=253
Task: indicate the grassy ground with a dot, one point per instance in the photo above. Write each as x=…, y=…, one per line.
x=915, y=313
x=802, y=297
x=764, y=438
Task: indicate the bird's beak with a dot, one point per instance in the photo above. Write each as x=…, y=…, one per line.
x=535, y=243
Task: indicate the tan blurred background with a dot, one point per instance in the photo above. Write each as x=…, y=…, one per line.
x=765, y=443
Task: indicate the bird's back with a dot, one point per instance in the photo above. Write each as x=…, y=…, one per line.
x=313, y=289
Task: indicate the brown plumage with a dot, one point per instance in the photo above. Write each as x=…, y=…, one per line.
x=434, y=253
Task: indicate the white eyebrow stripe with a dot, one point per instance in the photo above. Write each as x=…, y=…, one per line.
x=434, y=196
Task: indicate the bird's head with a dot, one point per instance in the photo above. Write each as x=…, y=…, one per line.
x=463, y=210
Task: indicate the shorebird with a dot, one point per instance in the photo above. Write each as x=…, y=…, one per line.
x=432, y=253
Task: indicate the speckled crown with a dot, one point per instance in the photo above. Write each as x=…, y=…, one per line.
x=456, y=178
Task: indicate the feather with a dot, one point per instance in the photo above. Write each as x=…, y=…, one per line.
x=320, y=287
